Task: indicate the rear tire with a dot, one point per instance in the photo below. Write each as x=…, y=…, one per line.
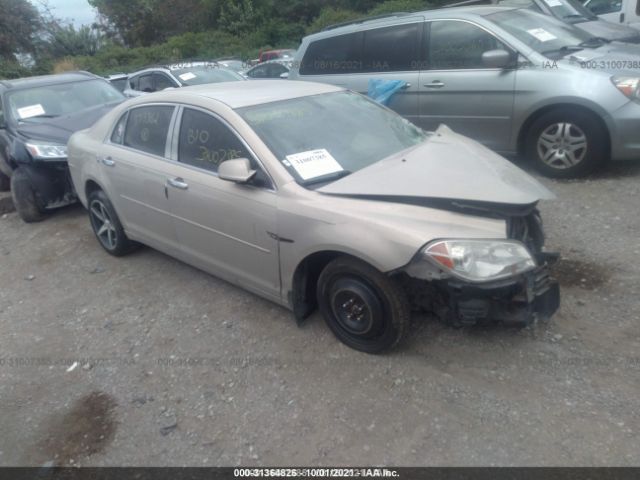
x=106, y=225
x=5, y=182
x=364, y=308
x=567, y=144
x=27, y=204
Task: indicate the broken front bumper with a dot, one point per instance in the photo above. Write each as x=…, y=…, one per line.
x=515, y=301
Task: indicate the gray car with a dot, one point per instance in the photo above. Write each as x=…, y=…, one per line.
x=316, y=197
x=574, y=13
x=175, y=75
x=516, y=80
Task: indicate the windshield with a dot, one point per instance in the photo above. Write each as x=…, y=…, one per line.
x=61, y=99
x=543, y=33
x=570, y=10
x=206, y=74
x=324, y=137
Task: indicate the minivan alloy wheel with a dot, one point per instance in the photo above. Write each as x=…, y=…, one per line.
x=103, y=225
x=562, y=145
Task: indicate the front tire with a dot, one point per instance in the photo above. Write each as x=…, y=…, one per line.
x=106, y=225
x=567, y=144
x=27, y=204
x=364, y=308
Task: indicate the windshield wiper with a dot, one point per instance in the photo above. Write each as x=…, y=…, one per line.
x=328, y=178
x=594, y=42
x=564, y=50
x=44, y=115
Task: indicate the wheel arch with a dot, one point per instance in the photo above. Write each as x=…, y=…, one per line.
x=563, y=107
x=90, y=185
x=302, y=296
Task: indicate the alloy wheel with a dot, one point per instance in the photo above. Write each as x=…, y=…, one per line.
x=103, y=225
x=562, y=145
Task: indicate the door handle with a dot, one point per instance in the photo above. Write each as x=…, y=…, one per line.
x=108, y=161
x=435, y=84
x=177, y=183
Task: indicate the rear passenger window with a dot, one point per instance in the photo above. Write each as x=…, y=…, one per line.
x=147, y=129
x=335, y=55
x=205, y=142
x=118, y=132
x=392, y=49
x=458, y=45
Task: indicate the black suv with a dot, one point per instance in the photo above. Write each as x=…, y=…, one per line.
x=37, y=117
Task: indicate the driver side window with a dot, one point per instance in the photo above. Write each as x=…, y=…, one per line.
x=205, y=142
x=456, y=45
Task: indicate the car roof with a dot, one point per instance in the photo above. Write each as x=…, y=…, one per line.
x=245, y=94
x=392, y=19
x=44, y=80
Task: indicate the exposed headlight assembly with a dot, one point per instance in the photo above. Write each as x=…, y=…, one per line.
x=629, y=86
x=480, y=260
x=46, y=151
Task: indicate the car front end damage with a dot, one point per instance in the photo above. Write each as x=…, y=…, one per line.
x=45, y=165
x=471, y=282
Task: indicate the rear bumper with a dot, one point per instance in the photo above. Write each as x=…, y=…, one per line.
x=517, y=301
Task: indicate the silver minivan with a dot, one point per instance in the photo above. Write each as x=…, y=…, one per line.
x=516, y=80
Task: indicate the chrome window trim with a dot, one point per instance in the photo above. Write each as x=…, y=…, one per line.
x=171, y=145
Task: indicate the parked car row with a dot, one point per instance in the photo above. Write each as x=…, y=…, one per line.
x=314, y=196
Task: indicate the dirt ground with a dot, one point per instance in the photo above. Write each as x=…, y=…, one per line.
x=146, y=361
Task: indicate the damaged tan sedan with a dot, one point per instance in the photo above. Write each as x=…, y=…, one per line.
x=316, y=197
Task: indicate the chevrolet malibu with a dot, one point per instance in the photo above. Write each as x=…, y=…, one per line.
x=313, y=196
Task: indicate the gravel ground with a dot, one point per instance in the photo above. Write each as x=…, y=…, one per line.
x=147, y=361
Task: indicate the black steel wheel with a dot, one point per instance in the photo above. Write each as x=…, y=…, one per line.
x=364, y=308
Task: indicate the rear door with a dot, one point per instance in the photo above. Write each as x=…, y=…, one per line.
x=393, y=53
x=459, y=91
x=224, y=227
x=135, y=167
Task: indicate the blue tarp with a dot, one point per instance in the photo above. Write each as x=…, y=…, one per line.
x=382, y=90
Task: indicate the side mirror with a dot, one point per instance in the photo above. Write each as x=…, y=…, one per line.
x=496, y=58
x=236, y=170
x=284, y=75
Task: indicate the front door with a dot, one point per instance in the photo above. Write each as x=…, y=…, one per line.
x=226, y=228
x=457, y=89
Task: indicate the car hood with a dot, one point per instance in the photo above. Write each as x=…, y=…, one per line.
x=447, y=171
x=615, y=54
x=610, y=31
x=59, y=129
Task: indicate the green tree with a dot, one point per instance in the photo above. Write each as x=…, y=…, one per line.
x=19, y=24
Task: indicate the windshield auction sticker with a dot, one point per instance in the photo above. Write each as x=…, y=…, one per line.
x=31, y=111
x=553, y=3
x=314, y=163
x=187, y=76
x=541, y=34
